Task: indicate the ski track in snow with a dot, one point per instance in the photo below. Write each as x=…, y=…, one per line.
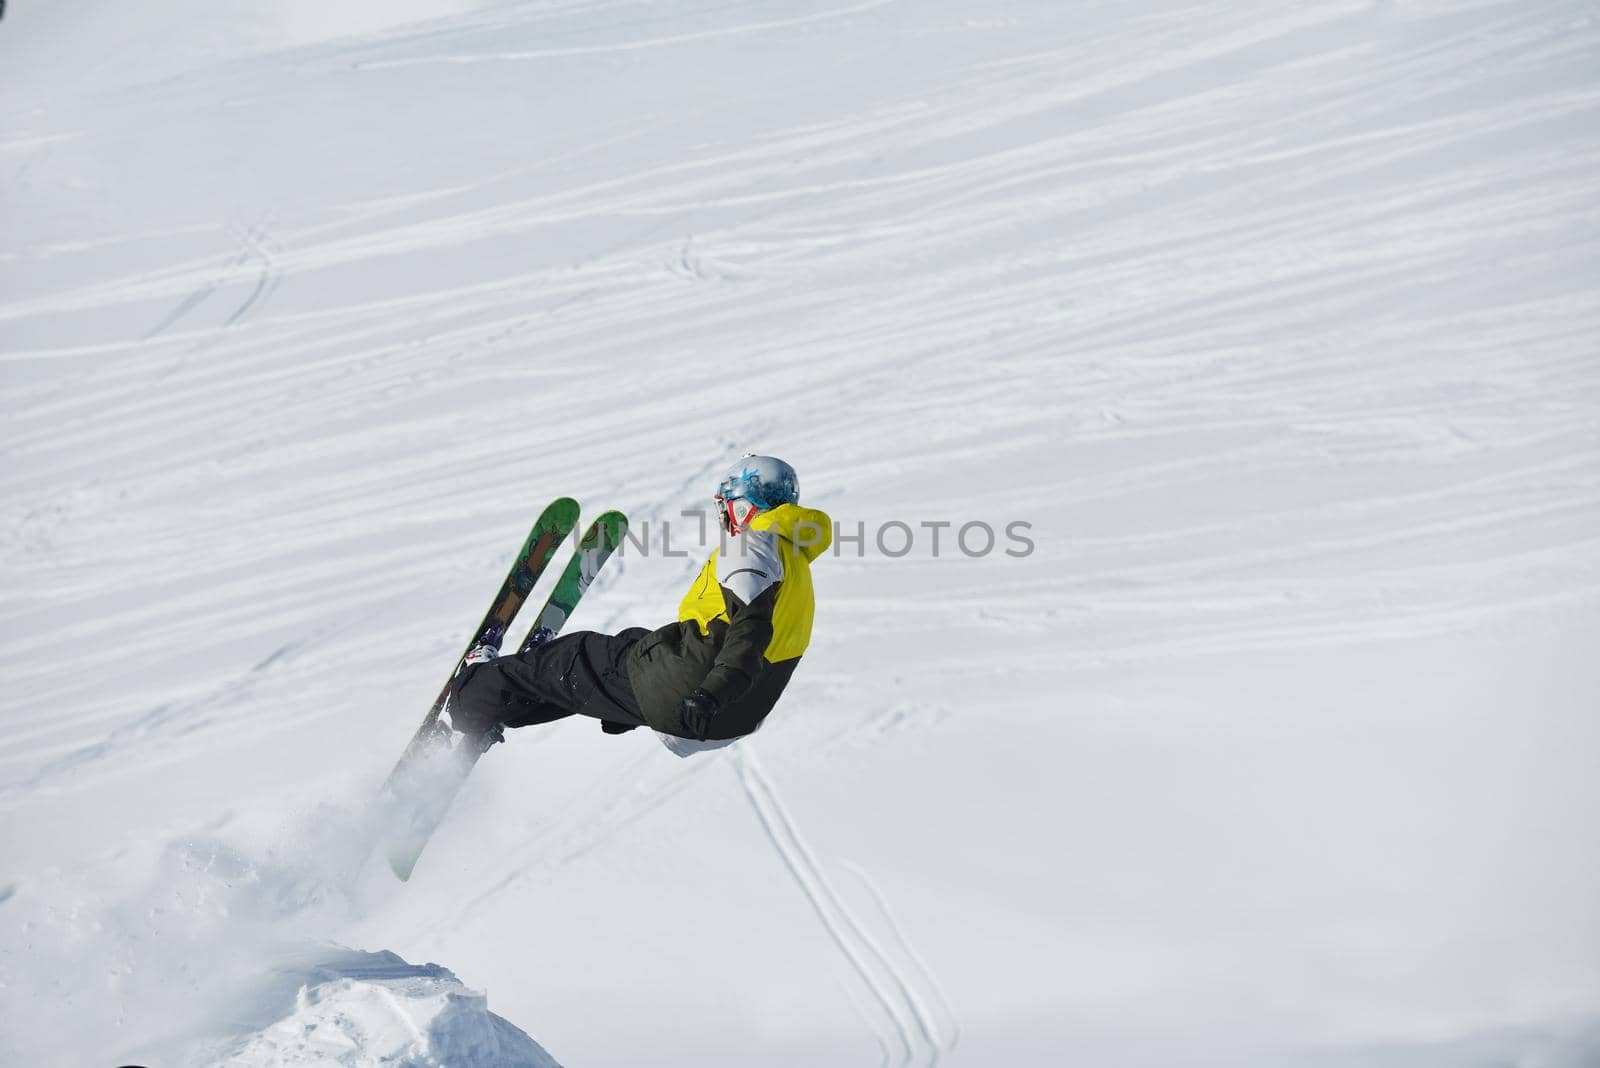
x=253, y=251
x=629, y=46
x=899, y=990
x=950, y=1035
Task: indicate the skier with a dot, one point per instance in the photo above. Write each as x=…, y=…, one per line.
x=700, y=682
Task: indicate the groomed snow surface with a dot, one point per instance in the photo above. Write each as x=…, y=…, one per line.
x=1278, y=323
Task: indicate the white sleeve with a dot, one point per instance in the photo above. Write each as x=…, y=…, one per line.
x=750, y=565
x=686, y=747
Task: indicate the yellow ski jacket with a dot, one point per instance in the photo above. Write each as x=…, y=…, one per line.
x=741, y=628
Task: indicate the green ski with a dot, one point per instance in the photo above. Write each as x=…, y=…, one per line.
x=419, y=806
x=549, y=531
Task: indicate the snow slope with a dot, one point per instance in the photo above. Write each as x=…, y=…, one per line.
x=1278, y=324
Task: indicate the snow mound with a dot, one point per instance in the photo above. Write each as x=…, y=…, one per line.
x=226, y=951
x=375, y=1008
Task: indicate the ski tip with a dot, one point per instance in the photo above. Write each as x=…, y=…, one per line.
x=559, y=519
x=561, y=513
x=605, y=533
x=612, y=526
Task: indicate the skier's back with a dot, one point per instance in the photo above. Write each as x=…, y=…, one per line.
x=702, y=681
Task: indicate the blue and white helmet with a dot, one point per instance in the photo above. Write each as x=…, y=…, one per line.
x=755, y=483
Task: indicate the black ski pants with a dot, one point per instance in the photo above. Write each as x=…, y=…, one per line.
x=583, y=673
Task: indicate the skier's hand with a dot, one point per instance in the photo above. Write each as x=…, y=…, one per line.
x=697, y=712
